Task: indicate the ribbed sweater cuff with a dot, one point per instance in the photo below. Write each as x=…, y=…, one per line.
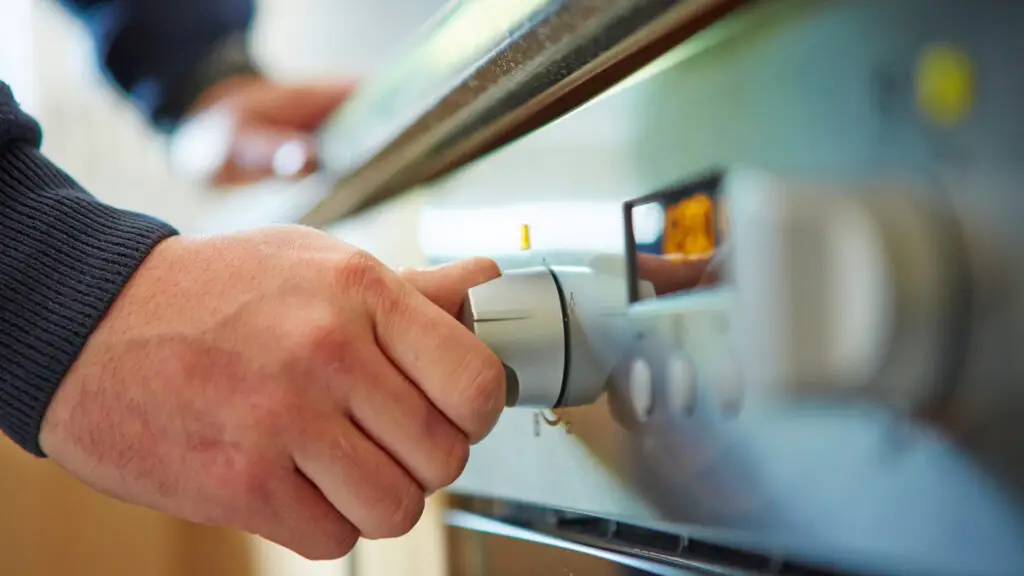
x=65, y=257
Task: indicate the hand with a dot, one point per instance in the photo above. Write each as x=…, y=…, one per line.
x=246, y=129
x=669, y=275
x=282, y=382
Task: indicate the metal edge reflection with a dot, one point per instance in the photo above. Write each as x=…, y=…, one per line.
x=479, y=523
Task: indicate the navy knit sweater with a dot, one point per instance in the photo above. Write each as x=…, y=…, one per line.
x=64, y=256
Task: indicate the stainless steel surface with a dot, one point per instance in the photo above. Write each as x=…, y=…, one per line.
x=489, y=71
x=824, y=92
x=487, y=548
x=919, y=470
x=617, y=553
x=846, y=291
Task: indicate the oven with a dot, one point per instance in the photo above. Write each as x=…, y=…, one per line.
x=762, y=299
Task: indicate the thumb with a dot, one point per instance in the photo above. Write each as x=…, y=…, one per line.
x=446, y=286
x=303, y=107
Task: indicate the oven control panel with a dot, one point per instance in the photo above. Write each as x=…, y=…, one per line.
x=827, y=290
x=558, y=329
x=770, y=290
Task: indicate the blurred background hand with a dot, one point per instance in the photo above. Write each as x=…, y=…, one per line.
x=668, y=274
x=248, y=129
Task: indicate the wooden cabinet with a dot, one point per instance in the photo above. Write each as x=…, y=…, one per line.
x=51, y=524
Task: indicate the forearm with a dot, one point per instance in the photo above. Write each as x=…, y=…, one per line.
x=65, y=257
x=165, y=53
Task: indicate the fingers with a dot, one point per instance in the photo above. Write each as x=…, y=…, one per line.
x=301, y=107
x=298, y=517
x=261, y=153
x=446, y=286
x=248, y=129
x=454, y=369
x=274, y=133
x=362, y=482
x=400, y=419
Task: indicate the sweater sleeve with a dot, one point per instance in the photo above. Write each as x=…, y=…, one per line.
x=165, y=53
x=64, y=257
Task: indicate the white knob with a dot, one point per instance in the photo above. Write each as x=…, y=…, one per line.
x=521, y=316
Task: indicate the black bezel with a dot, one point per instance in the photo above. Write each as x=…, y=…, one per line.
x=708, y=181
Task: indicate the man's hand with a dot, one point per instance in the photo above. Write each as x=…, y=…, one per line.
x=282, y=382
x=247, y=129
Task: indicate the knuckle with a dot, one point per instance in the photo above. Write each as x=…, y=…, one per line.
x=315, y=336
x=485, y=390
x=365, y=276
x=326, y=344
x=404, y=513
x=361, y=271
x=410, y=512
x=341, y=548
x=321, y=340
x=340, y=540
x=453, y=464
x=445, y=448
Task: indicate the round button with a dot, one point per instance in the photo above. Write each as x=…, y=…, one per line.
x=729, y=386
x=641, y=389
x=680, y=384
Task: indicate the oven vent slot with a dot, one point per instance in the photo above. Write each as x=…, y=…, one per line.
x=671, y=547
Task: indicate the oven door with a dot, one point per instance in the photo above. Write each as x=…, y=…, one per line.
x=495, y=538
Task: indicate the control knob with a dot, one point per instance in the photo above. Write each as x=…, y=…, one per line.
x=556, y=329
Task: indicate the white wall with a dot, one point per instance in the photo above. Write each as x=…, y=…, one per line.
x=92, y=133
x=16, y=56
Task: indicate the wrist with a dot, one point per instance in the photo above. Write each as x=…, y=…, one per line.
x=84, y=380
x=68, y=256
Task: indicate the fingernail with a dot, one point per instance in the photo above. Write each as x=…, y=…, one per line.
x=444, y=266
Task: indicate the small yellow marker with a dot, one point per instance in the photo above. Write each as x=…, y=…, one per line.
x=524, y=237
x=944, y=84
